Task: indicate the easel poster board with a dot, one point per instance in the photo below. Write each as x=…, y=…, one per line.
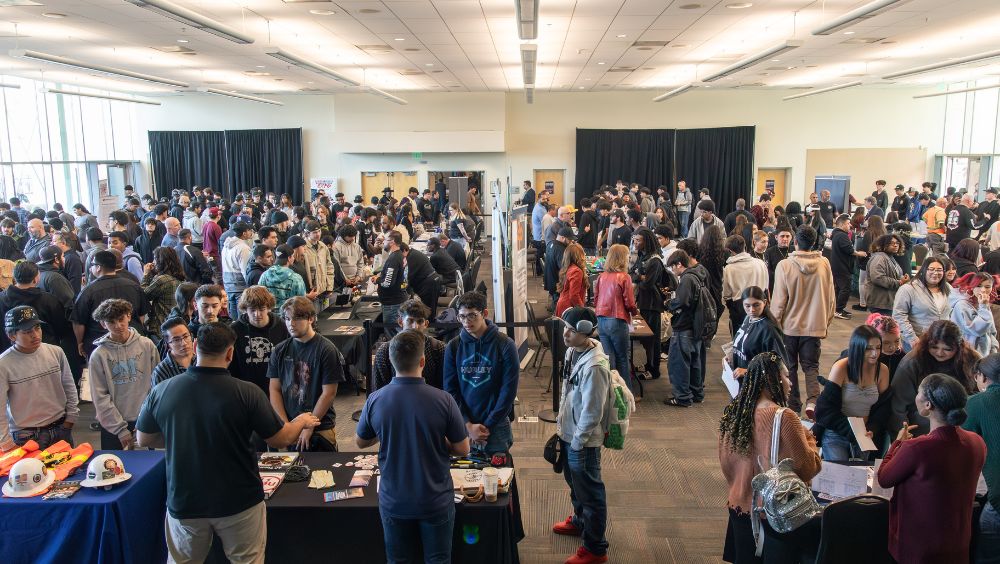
x=518, y=221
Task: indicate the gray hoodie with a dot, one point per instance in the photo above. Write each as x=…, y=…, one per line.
x=121, y=375
x=583, y=417
x=915, y=308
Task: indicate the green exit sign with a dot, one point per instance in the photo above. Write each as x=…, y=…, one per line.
x=418, y=155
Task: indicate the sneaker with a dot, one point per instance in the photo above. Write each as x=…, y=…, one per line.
x=567, y=528
x=842, y=314
x=859, y=307
x=584, y=556
x=663, y=356
x=811, y=411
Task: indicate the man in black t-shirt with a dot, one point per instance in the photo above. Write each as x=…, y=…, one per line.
x=961, y=221
x=106, y=285
x=392, y=282
x=588, y=227
x=204, y=418
x=827, y=209
x=305, y=371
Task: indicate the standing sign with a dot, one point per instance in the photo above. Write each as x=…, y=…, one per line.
x=519, y=272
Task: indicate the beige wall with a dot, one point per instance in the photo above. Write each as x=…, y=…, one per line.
x=865, y=166
x=542, y=135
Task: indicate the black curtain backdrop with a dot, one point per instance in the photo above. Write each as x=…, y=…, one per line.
x=604, y=156
x=267, y=158
x=181, y=159
x=720, y=159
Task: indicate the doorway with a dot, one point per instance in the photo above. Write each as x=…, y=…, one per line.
x=373, y=183
x=552, y=181
x=475, y=177
x=772, y=179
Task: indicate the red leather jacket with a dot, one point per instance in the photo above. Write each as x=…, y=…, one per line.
x=574, y=291
x=613, y=296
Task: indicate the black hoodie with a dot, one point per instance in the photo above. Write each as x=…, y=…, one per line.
x=685, y=300
x=253, y=349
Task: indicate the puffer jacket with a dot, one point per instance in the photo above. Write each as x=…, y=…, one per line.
x=613, y=296
x=235, y=254
x=583, y=419
x=914, y=309
x=319, y=266
x=283, y=283
x=803, y=301
x=884, y=276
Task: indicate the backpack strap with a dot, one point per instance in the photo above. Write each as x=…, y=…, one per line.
x=776, y=436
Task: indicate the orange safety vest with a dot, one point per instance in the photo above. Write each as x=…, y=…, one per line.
x=76, y=458
x=8, y=459
x=43, y=455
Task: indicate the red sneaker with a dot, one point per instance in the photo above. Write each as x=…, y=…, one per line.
x=584, y=556
x=567, y=528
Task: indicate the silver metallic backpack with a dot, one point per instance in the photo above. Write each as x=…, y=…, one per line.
x=786, y=500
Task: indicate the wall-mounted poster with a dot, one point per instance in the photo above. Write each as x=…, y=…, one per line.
x=327, y=185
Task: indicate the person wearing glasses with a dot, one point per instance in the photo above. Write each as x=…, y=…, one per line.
x=481, y=373
x=305, y=371
x=180, y=350
x=922, y=301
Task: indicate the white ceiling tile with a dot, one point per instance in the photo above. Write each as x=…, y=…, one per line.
x=423, y=26
x=644, y=7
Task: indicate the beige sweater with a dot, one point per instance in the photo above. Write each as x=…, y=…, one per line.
x=796, y=443
x=803, y=299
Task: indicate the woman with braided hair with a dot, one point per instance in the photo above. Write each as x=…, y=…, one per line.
x=745, y=442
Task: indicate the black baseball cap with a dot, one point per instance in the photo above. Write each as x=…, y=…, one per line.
x=295, y=241
x=20, y=318
x=49, y=254
x=567, y=233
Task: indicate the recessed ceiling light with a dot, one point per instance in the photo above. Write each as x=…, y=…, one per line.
x=739, y=5
x=260, y=66
x=400, y=39
x=309, y=82
x=621, y=36
x=182, y=40
x=848, y=33
x=690, y=6
x=54, y=15
x=322, y=12
x=789, y=68
x=601, y=63
x=775, y=60
x=428, y=64
x=581, y=88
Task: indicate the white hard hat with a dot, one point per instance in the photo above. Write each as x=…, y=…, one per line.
x=28, y=477
x=105, y=470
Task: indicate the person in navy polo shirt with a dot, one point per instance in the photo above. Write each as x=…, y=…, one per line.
x=419, y=426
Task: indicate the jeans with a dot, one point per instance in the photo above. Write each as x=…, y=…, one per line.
x=111, y=441
x=613, y=333
x=842, y=289
x=243, y=536
x=652, y=344
x=837, y=448
x=404, y=538
x=586, y=491
x=684, y=367
x=44, y=437
x=988, y=549
x=683, y=223
x=234, y=298
x=804, y=351
x=390, y=319
x=501, y=439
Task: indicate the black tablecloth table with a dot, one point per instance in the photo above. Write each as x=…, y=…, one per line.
x=301, y=527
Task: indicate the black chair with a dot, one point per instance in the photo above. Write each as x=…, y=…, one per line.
x=543, y=342
x=855, y=529
x=476, y=264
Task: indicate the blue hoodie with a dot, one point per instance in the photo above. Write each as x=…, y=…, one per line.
x=482, y=374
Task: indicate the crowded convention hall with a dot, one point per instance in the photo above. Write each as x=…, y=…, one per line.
x=258, y=255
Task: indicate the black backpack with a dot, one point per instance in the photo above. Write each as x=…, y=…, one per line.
x=706, y=317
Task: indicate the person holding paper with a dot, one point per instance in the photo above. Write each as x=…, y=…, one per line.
x=984, y=420
x=935, y=477
x=758, y=333
x=854, y=386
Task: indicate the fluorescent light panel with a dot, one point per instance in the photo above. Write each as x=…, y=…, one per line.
x=193, y=19
x=529, y=58
x=248, y=97
x=80, y=65
x=527, y=18
x=297, y=61
x=857, y=16
x=8, y=85
x=775, y=51
x=823, y=90
x=101, y=96
x=943, y=65
x=963, y=90
x=675, y=92
x=386, y=95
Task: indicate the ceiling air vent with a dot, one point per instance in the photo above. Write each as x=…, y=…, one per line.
x=650, y=43
x=862, y=40
x=621, y=69
x=411, y=72
x=375, y=49
x=173, y=49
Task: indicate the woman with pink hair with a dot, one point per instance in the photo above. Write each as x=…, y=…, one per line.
x=970, y=305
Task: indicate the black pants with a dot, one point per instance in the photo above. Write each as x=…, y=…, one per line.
x=799, y=545
x=652, y=345
x=539, y=254
x=842, y=289
x=112, y=442
x=736, y=315
x=68, y=345
x=803, y=351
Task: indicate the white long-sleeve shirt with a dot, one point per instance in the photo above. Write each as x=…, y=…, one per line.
x=36, y=390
